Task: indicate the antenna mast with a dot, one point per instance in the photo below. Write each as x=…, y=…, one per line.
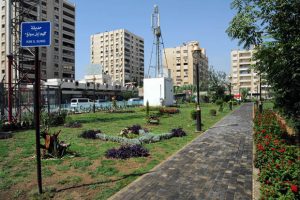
x=155, y=24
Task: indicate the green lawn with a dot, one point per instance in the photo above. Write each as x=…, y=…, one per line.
x=90, y=175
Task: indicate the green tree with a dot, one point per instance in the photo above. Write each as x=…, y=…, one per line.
x=273, y=28
x=216, y=84
x=244, y=93
x=129, y=94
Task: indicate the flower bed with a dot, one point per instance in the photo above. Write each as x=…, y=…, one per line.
x=127, y=151
x=144, y=137
x=276, y=157
x=168, y=111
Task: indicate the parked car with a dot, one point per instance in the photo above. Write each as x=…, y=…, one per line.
x=135, y=101
x=81, y=103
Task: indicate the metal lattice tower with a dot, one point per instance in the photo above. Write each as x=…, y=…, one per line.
x=22, y=60
x=157, y=42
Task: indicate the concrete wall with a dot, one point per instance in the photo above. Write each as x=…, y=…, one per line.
x=156, y=89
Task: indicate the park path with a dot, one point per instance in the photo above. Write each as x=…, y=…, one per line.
x=216, y=165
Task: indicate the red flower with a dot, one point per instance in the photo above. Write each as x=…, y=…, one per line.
x=263, y=131
x=281, y=150
x=260, y=147
x=294, y=188
x=276, y=142
x=273, y=149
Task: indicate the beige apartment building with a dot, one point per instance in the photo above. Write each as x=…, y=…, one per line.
x=243, y=74
x=183, y=67
x=121, y=53
x=57, y=60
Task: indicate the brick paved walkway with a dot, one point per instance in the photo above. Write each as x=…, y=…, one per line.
x=216, y=165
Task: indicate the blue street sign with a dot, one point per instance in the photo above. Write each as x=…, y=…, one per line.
x=35, y=34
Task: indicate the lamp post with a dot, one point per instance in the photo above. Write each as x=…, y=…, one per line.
x=260, y=106
x=230, y=97
x=94, y=94
x=196, y=55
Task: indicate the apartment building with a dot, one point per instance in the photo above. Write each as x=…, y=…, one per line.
x=183, y=66
x=244, y=76
x=121, y=53
x=57, y=60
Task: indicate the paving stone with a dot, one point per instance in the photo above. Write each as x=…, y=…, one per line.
x=216, y=165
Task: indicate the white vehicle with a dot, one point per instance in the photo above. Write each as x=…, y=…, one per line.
x=134, y=101
x=81, y=103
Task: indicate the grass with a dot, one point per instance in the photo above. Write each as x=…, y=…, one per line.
x=90, y=175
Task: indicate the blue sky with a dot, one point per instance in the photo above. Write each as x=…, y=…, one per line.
x=181, y=21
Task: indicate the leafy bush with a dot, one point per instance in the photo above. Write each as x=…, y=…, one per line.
x=89, y=134
x=178, y=132
x=168, y=111
x=135, y=129
x=213, y=112
x=153, y=119
x=127, y=151
x=220, y=103
x=147, y=108
x=54, y=118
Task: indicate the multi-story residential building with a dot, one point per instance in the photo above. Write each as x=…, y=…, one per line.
x=57, y=60
x=244, y=76
x=183, y=66
x=121, y=53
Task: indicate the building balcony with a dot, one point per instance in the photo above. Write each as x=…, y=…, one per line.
x=245, y=80
x=245, y=75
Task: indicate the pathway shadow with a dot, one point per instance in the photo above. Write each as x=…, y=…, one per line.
x=102, y=182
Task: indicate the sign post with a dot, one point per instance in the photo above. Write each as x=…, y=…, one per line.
x=36, y=34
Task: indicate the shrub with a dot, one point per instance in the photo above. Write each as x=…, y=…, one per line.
x=213, y=112
x=135, y=129
x=168, y=111
x=178, y=132
x=127, y=151
x=147, y=108
x=54, y=118
x=89, y=134
x=153, y=119
x=220, y=103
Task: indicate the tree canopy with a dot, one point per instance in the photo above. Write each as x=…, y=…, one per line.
x=216, y=84
x=272, y=27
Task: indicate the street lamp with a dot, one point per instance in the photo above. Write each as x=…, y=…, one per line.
x=94, y=106
x=260, y=106
x=230, y=102
x=196, y=55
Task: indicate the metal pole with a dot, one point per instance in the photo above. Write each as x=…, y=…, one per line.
x=260, y=101
x=48, y=101
x=198, y=111
x=94, y=106
x=60, y=97
x=230, y=102
x=157, y=55
x=10, y=62
x=37, y=118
